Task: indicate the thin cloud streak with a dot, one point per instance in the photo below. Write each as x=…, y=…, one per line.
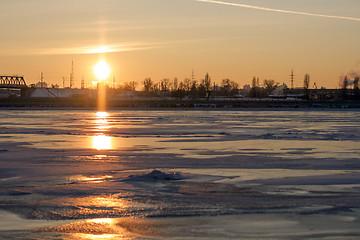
x=278, y=10
x=94, y=49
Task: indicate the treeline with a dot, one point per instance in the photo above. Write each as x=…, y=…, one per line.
x=187, y=87
x=204, y=88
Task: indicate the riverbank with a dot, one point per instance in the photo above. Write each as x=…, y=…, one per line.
x=91, y=103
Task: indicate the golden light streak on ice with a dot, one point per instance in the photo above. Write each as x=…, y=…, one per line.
x=101, y=141
x=101, y=122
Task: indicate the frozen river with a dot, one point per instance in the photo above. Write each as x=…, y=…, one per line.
x=185, y=174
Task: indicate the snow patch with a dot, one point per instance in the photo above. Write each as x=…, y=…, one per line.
x=155, y=175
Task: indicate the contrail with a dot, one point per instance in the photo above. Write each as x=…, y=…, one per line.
x=278, y=10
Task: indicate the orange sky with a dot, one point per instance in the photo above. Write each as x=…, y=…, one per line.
x=169, y=38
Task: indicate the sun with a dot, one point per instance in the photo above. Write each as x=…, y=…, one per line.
x=102, y=70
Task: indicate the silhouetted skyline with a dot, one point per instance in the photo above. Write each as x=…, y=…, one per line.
x=166, y=39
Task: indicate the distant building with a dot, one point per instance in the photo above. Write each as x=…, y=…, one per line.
x=325, y=94
x=279, y=90
x=9, y=92
x=56, y=92
x=246, y=90
x=41, y=85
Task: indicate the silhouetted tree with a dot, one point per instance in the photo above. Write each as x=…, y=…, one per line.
x=306, y=86
x=229, y=88
x=164, y=85
x=156, y=87
x=306, y=81
x=148, y=85
x=344, y=88
x=194, y=89
x=226, y=87
x=254, y=88
x=175, y=84
x=187, y=84
x=207, y=83
x=356, y=87
x=204, y=87
x=130, y=86
x=269, y=85
x=356, y=83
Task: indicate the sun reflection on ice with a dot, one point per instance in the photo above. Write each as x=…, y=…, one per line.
x=102, y=220
x=103, y=236
x=101, y=121
x=102, y=142
x=101, y=125
x=102, y=114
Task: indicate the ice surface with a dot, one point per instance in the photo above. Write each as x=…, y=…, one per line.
x=12, y=222
x=155, y=175
x=219, y=174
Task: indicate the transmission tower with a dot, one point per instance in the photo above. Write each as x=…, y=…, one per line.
x=72, y=75
x=42, y=80
x=82, y=82
x=292, y=78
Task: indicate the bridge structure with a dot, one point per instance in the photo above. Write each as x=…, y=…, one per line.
x=13, y=82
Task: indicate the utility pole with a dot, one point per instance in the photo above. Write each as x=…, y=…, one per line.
x=63, y=82
x=114, y=82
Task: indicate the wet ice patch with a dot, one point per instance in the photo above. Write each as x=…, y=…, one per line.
x=249, y=226
x=12, y=222
x=241, y=176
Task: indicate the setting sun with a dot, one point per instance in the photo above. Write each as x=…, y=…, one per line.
x=102, y=70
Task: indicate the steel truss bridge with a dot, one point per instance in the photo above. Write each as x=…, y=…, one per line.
x=12, y=82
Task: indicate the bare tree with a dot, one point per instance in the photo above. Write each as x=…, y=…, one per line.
x=156, y=87
x=187, y=84
x=345, y=83
x=344, y=88
x=130, y=86
x=164, y=85
x=269, y=84
x=254, y=88
x=148, y=85
x=226, y=86
x=356, y=82
x=175, y=84
x=207, y=82
x=306, y=81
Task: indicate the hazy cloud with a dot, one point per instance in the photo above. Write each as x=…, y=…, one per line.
x=92, y=49
x=278, y=10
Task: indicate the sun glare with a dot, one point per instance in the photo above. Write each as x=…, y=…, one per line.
x=102, y=70
x=102, y=220
x=102, y=114
x=102, y=142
